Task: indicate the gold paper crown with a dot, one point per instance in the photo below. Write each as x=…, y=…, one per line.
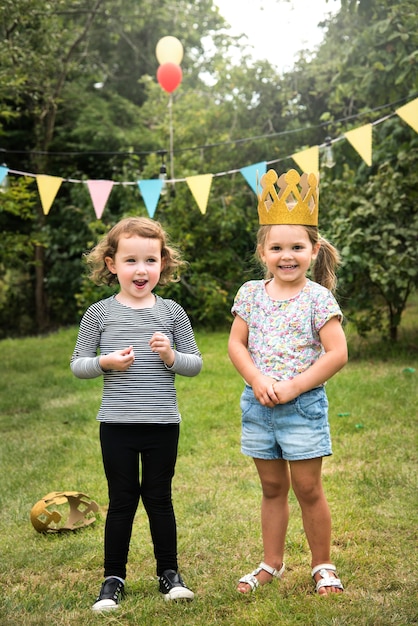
x=296, y=201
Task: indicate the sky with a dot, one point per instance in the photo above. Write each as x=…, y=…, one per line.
x=277, y=30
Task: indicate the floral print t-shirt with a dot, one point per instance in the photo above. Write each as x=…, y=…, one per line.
x=283, y=338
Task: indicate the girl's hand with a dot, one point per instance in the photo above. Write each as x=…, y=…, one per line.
x=263, y=388
x=160, y=343
x=120, y=360
x=285, y=391
x=270, y=392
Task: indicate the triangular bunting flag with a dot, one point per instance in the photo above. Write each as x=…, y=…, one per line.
x=253, y=173
x=409, y=114
x=151, y=191
x=48, y=188
x=99, y=193
x=200, y=188
x=3, y=173
x=308, y=160
x=361, y=140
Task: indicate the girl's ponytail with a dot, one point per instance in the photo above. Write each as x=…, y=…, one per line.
x=326, y=263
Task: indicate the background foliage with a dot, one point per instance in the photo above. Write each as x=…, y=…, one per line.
x=229, y=112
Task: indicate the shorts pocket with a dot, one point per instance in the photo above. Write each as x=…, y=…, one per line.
x=313, y=404
x=247, y=402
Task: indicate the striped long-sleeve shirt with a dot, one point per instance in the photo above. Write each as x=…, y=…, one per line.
x=145, y=393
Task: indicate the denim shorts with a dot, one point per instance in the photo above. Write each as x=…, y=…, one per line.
x=293, y=431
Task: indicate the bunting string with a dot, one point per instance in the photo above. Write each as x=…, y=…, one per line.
x=200, y=185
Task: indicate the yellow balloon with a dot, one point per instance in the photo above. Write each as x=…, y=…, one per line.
x=169, y=50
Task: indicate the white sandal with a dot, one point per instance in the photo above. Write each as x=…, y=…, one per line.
x=252, y=581
x=326, y=580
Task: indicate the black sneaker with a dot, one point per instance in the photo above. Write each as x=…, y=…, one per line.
x=173, y=587
x=108, y=599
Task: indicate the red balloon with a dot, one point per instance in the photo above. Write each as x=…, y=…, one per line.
x=169, y=76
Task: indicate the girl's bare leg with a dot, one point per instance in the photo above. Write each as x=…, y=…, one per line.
x=275, y=484
x=307, y=485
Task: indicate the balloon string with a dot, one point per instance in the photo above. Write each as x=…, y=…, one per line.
x=170, y=110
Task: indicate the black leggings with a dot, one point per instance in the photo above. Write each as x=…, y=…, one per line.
x=122, y=446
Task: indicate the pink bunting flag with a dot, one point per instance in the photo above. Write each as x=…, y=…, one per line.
x=99, y=193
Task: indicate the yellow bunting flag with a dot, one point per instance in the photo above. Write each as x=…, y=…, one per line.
x=409, y=114
x=361, y=140
x=200, y=188
x=308, y=160
x=48, y=188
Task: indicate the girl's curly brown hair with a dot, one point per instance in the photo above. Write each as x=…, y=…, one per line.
x=131, y=226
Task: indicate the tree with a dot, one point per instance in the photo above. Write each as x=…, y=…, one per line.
x=40, y=49
x=52, y=55
x=369, y=62
x=80, y=100
x=375, y=227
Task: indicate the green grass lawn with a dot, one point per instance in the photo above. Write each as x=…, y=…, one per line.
x=49, y=442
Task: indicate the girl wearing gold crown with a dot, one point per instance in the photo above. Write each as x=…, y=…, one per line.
x=286, y=341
